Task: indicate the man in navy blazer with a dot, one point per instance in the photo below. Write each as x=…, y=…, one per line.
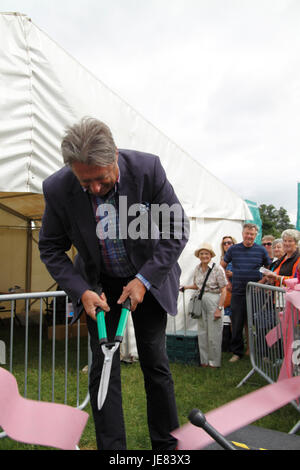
x=122, y=215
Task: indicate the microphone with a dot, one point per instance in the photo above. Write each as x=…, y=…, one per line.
x=197, y=418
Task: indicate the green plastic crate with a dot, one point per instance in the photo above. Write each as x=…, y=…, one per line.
x=183, y=347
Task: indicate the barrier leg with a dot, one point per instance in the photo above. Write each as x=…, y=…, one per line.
x=246, y=378
x=295, y=428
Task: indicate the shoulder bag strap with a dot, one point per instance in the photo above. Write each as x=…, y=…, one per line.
x=205, y=280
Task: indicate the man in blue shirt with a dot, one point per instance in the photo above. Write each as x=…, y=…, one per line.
x=246, y=257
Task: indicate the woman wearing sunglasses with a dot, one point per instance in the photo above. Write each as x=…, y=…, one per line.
x=267, y=242
x=227, y=242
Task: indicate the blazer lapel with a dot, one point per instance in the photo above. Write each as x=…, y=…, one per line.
x=127, y=186
x=128, y=192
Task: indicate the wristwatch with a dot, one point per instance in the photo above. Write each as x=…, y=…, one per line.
x=220, y=308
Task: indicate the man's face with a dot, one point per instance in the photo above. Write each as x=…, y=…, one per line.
x=98, y=180
x=249, y=235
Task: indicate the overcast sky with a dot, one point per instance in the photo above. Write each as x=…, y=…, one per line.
x=221, y=78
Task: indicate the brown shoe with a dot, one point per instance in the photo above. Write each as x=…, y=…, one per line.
x=234, y=358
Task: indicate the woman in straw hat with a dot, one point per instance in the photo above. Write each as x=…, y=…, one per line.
x=210, y=323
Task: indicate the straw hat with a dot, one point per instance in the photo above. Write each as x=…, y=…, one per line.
x=207, y=247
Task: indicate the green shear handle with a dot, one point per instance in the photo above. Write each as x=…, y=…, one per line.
x=102, y=334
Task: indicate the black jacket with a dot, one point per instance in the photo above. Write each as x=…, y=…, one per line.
x=287, y=266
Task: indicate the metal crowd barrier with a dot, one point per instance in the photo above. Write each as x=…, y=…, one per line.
x=34, y=375
x=265, y=311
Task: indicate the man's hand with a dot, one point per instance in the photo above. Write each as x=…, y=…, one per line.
x=135, y=290
x=91, y=301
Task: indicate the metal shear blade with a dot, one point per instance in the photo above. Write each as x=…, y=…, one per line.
x=108, y=351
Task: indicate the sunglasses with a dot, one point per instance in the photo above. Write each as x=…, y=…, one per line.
x=267, y=244
x=227, y=243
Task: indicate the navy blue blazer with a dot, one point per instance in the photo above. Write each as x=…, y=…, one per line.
x=69, y=219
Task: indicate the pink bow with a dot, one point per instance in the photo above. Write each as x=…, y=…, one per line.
x=35, y=422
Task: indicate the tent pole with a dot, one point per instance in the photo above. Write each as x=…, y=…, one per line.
x=28, y=258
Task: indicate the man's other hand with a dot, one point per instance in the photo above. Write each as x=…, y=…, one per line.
x=135, y=290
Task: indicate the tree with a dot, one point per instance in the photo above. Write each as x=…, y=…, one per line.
x=274, y=221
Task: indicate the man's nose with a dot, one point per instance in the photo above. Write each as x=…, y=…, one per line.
x=95, y=187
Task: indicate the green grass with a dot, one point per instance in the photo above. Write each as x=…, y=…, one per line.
x=195, y=387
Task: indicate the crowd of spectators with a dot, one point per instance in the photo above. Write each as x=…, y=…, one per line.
x=223, y=300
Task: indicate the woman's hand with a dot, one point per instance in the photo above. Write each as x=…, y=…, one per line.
x=217, y=314
x=271, y=276
x=228, y=274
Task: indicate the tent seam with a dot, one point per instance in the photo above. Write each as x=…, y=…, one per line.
x=24, y=19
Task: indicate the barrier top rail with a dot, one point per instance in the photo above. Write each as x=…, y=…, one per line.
x=31, y=295
x=265, y=286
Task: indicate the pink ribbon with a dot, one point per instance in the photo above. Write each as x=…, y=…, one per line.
x=239, y=413
x=35, y=422
x=288, y=321
x=275, y=334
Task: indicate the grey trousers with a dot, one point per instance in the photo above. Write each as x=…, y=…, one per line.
x=210, y=331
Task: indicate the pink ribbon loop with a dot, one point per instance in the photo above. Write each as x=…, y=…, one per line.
x=35, y=422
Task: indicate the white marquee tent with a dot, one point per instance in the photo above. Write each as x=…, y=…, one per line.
x=43, y=89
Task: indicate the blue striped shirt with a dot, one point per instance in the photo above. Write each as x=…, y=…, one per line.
x=114, y=257
x=246, y=262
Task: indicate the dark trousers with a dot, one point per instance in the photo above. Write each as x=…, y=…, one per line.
x=238, y=320
x=149, y=321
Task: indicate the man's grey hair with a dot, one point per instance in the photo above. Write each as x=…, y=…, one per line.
x=90, y=141
x=291, y=232
x=250, y=226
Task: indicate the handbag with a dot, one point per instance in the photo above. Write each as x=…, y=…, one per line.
x=227, y=301
x=194, y=306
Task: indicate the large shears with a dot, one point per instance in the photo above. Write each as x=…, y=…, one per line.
x=109, y=348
